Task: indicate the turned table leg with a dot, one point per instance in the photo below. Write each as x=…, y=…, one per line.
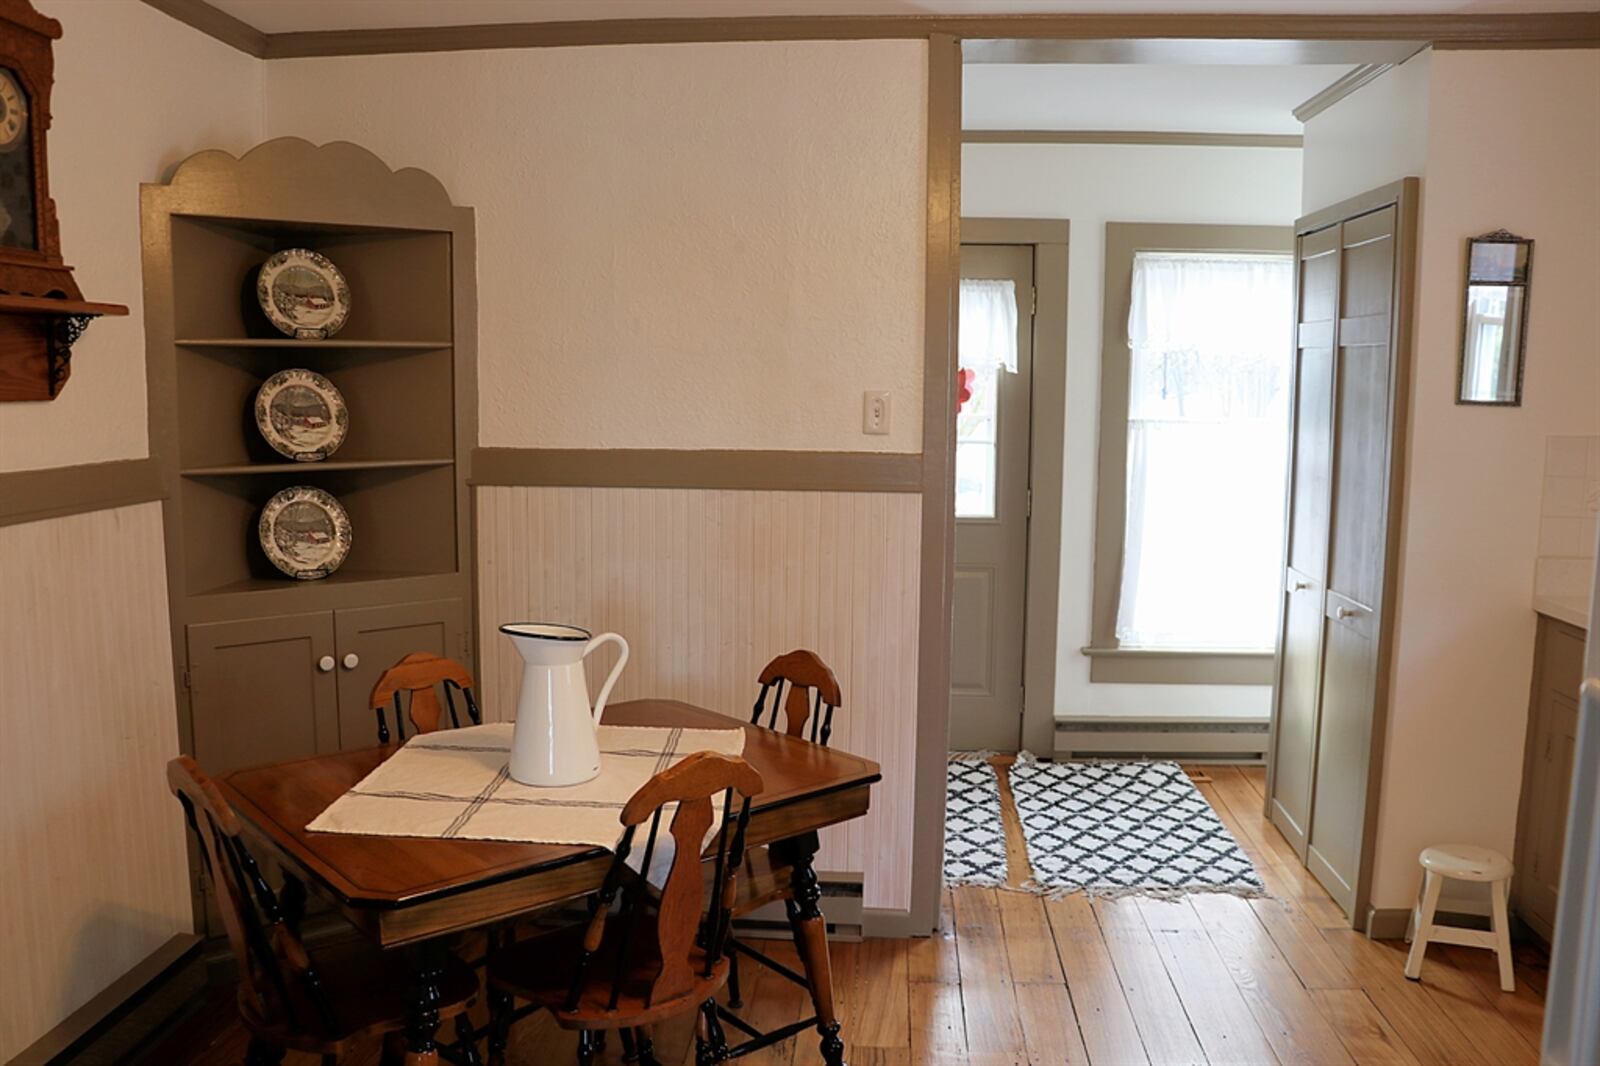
x=811, y=939
x=422, y=1020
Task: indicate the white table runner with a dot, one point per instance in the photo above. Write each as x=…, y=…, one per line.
x=455, y=784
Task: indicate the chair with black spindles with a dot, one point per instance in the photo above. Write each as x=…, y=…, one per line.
x=418, y=674
x=807, y=691
x=661, y=955
x=287, y=1001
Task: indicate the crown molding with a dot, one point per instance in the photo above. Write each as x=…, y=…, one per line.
x=1563, y=30
x=214, y=22
x=1340, y=89
x=1134, y=137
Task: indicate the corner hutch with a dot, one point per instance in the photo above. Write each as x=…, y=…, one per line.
x=271, y=668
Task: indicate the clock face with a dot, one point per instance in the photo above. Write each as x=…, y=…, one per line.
x=17, y=217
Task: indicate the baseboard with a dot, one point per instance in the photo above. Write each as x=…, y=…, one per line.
x=117, y=1020
x=1389, y=923
x=886, y=923
x=1242, y=740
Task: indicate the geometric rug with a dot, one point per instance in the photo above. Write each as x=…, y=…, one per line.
x=1125, y=828
x=974, y=835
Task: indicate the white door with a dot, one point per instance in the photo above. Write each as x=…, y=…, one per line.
x=992, y=433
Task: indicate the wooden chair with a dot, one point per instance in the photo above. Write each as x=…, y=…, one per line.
x=782, y=870
x=418, y=674
x=657, y=957
x=287, y=1001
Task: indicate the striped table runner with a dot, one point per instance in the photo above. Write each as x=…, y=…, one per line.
x=455, y=784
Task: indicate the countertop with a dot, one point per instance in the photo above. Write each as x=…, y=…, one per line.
x=1573, y=610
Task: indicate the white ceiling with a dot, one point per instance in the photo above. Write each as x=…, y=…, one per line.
x=280, y=16
x=1183, y=99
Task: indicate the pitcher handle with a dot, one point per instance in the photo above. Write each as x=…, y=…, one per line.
x=616, y=671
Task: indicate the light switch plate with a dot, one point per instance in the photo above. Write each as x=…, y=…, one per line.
x=875, y=413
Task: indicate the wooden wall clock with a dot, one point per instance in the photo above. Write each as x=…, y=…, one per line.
x=42, y=312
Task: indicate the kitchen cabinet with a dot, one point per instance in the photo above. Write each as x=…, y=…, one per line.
x=1547, y=774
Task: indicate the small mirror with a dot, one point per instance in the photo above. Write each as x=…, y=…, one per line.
x=1496, y=319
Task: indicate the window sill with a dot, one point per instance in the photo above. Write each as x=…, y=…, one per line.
x=1174, y=666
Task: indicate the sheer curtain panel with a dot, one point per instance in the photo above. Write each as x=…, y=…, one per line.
x=1208, y=408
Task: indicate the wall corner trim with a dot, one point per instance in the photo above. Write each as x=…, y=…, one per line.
x=58, y=491
x=1348, y=83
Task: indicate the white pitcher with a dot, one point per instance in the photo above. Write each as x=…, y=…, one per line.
x=554, y=741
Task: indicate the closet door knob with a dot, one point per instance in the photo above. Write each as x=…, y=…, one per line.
x=1347, y=612
x=325, y=663
x=1301, y=586
x=352, y=661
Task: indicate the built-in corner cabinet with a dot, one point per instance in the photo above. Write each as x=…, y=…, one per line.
x=1547, y=774
x=1354, y=266
x=269, y=667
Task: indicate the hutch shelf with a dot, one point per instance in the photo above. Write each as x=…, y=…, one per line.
x=268, y=667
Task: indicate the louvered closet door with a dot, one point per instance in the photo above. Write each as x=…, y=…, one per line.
x=1306, y=558
x=1357, y=551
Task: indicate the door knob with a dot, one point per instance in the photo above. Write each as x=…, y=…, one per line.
x=1301, y=586
x=1347, y=612
x=325, y=663
x=352, y=661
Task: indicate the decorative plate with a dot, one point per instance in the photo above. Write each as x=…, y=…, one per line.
x=305, y=532
x=303, y=294
x=302, y=415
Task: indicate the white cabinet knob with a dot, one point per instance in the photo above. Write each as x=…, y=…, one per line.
x=1347, y=612
x=1301, y=586
x=325, y=663
x=352, y=661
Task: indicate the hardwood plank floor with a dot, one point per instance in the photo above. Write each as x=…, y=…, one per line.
x=1016, y=979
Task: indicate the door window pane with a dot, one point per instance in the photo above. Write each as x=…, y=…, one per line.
x=977, y=431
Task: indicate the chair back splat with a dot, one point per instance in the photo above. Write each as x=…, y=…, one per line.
x=683, y=938
x=277, y=980
x=417, y=675
x=813, y=695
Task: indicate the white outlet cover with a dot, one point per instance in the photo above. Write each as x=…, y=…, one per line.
x=875, y=413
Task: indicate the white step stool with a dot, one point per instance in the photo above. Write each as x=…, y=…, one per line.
x=1462, y=862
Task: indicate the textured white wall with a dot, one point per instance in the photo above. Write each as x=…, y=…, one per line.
x=136, y=91
x=1512, y=142
x=1092, y=185
x=1376, y=135
x=679, y=246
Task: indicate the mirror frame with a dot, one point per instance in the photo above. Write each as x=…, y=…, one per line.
x=1525, y=283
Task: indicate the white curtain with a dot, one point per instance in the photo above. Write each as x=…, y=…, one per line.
x=988, y=325
x=1210, y=338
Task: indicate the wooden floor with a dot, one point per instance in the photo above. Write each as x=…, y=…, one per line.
x=1018, y=979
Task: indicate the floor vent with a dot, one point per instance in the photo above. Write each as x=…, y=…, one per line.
x=1242, y=740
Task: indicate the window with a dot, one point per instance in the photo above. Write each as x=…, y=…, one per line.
x=1196, y=355
x=988, y=346
x=1208, y=389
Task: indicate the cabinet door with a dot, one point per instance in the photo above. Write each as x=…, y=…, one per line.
x=372, y=639
x=1553, y=738
x=258, y=693
x=1305, y=564
x=1357, y=553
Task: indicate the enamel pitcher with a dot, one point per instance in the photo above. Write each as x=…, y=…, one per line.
x=554, y=741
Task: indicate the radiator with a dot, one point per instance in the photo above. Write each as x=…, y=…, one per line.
x=1242, y=740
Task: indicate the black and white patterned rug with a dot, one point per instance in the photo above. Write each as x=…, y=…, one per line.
x=974, y=834
x=1125, y=828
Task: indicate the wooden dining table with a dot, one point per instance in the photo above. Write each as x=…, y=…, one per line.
x=411, y=893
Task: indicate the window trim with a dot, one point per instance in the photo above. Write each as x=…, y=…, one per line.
x=1108, y=661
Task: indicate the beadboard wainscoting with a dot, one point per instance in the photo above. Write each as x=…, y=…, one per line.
x=707, y=585
x=92, y=865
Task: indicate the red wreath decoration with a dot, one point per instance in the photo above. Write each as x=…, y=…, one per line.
x=964, y=379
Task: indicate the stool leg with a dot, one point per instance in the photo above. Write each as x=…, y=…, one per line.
x=1502, y=935
x=1431, y=884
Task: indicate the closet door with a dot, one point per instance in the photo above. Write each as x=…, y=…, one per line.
x=1358, y=543
x=1306, y=552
